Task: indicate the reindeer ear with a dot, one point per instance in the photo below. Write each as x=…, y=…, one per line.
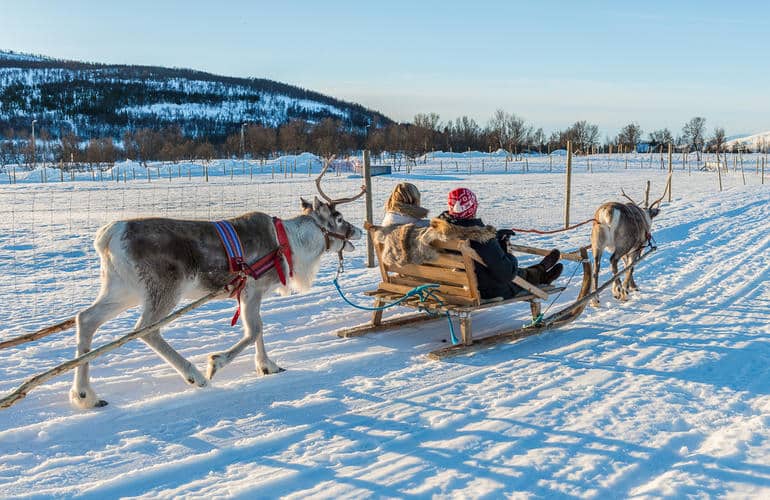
x=306, y=205
x=316, y=203
x=653, y=212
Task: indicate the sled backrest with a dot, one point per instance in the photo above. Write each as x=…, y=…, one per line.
x=453, y=269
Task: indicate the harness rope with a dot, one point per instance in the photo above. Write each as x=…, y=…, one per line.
x=538, y=231
x=422, y=292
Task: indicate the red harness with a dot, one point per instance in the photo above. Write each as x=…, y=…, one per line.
x=238, y=266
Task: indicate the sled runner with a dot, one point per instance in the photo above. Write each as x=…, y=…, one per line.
x=458, y=295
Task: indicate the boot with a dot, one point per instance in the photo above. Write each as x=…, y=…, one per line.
x=534, y=274
x=551, y=259
x=553, y=273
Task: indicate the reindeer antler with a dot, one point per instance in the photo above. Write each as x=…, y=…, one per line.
x=332, y=201
x=665, y=190
x=627, y=197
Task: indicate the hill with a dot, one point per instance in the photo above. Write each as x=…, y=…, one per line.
x=754, y=142
x=97, y=100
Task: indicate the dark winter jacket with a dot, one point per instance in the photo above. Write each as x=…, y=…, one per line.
x=409, y=244
x=494, y=279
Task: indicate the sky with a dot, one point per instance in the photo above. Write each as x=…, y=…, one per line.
x=656, y=63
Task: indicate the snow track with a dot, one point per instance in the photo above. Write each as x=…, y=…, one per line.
x=665, y=395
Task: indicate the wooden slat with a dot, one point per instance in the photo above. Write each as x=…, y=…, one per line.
x=526, y=285
x=444, y=289
x=432, y=274
x=574, y=256
x=447, y=299
x=378, y=250
x=447, y=260
x=470, y=267
x=448, y=245
x=360, y=330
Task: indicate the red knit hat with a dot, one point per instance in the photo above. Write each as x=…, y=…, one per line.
x=462, y=203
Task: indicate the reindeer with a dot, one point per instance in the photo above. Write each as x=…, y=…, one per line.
x=624, y=230
x=156, y=262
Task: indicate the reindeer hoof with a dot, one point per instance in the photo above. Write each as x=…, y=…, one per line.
x=199, y=383
x=214, y=365
x=196, y=378
x=266, y=371
x=85, y=399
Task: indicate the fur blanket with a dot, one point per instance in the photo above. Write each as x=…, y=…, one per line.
x=410, y=244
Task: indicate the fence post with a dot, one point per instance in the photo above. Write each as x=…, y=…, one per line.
x=569, y=184
x=763, y=173
x=670, y=169
x=369, y=212
x=719, y=172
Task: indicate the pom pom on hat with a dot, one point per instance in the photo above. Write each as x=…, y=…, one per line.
x=462, y=203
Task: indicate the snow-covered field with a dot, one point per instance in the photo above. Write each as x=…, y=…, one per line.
x=667, y=395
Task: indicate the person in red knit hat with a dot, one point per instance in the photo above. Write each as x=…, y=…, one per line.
x=500, y=267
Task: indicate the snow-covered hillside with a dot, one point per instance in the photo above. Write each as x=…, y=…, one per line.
x=756, y=142
x=666, y=395
x=99, y=100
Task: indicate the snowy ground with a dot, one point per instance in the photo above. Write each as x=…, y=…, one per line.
x=667, y=395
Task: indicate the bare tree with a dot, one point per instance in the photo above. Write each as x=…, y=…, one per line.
x=629, y=136
x=661, y=137
x=583, y=135
x=718, y=140
x=692, y=134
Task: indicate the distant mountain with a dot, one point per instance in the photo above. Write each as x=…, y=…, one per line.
x=754, y=142
x=98, y=100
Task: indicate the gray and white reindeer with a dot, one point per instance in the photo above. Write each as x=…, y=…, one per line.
x=623, y=229
x=156, y=262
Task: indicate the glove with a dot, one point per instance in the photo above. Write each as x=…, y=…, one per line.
x=503, y=236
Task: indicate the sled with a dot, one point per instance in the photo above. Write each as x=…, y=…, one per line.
x=458, y=296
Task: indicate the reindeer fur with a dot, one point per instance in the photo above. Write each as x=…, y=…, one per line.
x=623, y=229
x=155, y=263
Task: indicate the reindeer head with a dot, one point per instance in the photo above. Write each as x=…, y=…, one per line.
x=331, y=221
x=653, y=209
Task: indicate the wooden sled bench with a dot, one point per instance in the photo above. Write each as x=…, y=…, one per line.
x=454, y=271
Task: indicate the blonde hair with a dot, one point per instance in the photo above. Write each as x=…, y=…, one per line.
x=404, y=193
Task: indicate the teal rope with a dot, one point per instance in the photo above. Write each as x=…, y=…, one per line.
x=422, y=292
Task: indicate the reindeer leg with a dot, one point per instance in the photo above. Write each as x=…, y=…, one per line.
x=630, y=275
x=109, y=304
x=617, y=289
x=253, y=324
x=252, y=327
x=597, y=253
x=153, y=312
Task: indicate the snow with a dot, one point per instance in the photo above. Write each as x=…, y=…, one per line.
x=18, y=56
x=757, y=142
x=666, y=395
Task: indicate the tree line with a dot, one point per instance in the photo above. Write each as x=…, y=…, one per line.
x=426, y=133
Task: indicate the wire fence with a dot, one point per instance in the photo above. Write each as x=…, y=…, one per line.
x=47, y=258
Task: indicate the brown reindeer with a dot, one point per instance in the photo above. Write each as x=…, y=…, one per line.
x=157, y=262
x=624, y=230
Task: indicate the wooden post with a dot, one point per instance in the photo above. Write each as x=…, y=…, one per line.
x=670, y=168
x=762, y=177
x=719, y=172
x=369, y=211
x=647, y=195
x=568, y=190
x=743, y=174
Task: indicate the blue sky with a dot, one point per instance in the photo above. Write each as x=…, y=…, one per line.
x=656, y=63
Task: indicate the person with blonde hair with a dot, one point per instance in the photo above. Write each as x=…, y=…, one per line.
x=403, y=207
